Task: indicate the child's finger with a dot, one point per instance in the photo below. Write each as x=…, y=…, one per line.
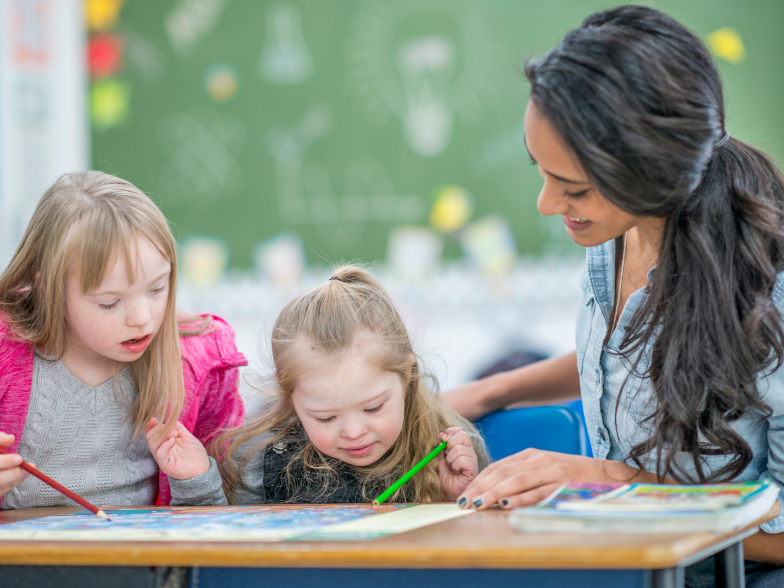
x=458, y=437
x=12, y=477
x=449, y=433
x=150, y=430
x=459, y=451
x=165, y=448
x=444, y=468
x=6, y=440
x=10, y=461
x=460, y=457
x=462, y=464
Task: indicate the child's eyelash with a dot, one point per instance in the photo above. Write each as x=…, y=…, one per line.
x=108, y=306
x=531, y=159
x=374, y=409
x=327, y=420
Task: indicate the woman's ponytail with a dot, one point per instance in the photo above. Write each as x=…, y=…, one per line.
x=711, y=315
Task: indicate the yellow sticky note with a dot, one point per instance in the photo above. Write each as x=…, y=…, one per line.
x=452, y=209
x=109, y=100
x=102, y=14
x=727, y=44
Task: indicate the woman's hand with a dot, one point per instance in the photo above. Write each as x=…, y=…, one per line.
x=179, y=454
x=11, y=475
x=457, y=464
x=528, y=477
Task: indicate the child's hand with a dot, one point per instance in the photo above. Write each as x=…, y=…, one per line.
x=11, y=475
x=458, y=464
x=179, y=454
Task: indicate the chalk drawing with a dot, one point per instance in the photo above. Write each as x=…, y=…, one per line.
x=285, y=58
x=306, y=191
x=190, y=21
x=423, y=77
x=144, y=55
x=202, y=153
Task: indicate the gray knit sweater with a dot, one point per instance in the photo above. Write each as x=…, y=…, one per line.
x=80, y=436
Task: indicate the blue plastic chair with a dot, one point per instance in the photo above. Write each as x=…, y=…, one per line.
x=577, y=406
x=552, y=428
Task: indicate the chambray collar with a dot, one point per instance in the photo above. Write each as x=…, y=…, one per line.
x=600, y=266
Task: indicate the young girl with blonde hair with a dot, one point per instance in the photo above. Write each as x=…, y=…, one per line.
x=350, y=416
x=92, y=349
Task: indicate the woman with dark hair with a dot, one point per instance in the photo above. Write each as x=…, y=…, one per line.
x=679, y=334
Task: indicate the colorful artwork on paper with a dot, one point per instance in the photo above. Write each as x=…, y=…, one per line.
x=233, y=523
x=702, y=497
x=580, y=492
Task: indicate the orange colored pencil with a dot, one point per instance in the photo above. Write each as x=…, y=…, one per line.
x=60, y=488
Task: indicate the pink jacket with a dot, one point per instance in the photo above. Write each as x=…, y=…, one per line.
x=209, y=364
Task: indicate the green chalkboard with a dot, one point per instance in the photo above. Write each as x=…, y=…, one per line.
x=340, y=119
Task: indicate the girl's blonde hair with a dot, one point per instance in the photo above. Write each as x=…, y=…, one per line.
x=82, y=223
x=331, y=317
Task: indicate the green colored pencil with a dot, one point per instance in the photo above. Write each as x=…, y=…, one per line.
x=409, y=474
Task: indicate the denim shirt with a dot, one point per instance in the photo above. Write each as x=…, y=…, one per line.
x=615, y=420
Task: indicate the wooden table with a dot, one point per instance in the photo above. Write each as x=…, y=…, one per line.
x=479, y=549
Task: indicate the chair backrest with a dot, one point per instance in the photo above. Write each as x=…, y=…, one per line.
x=552, y=428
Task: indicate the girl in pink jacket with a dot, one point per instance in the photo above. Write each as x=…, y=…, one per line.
x=92, y=349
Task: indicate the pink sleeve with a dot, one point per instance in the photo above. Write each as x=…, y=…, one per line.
x=211, y=375
x=16, y=380
x=221, y=405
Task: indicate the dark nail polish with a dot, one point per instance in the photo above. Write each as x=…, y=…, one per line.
x=504, y=502
x=462, y=501
x=477, y=502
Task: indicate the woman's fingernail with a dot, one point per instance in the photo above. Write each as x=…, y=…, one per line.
x=462, y=501
x=477, y=502
x=504, y=502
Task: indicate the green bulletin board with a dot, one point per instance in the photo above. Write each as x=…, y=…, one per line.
x=341, y=119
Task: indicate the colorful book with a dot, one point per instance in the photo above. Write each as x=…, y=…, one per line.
x=648, y=508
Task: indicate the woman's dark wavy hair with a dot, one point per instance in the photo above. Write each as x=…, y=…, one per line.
x=637, y=98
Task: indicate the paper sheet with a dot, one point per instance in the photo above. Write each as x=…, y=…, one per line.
x=235, y=523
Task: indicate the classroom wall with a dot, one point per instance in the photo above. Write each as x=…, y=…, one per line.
x=44, y=129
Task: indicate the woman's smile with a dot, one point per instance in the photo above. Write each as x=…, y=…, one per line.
x=576, y=224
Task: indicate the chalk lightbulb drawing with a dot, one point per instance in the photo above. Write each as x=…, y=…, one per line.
x=285, y=58
x=424, y=62
x=426, y=65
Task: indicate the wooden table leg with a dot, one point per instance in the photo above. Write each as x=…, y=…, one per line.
x=730, y=569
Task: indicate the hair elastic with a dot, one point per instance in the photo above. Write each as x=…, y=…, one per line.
x=724, y=138
x=335, y=278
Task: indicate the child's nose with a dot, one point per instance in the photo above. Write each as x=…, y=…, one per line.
x=138, y=315
x=354, y=429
